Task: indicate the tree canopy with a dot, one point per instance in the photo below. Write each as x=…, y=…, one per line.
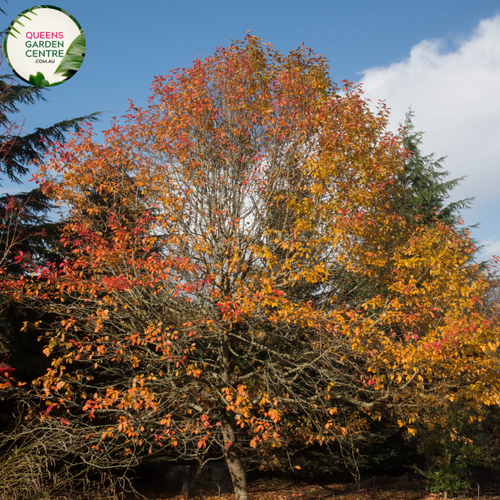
x=26, y=229
x=217, y=242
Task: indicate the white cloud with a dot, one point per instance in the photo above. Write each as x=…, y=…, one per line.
x=491, y=248
x=456, y=99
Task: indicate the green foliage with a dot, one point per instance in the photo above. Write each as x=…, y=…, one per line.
x=454, y=449
x=74, y=57
x=450, y=478
x=39, y=80
x=426, y=189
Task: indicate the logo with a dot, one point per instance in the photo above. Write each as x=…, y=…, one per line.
x=44, y=46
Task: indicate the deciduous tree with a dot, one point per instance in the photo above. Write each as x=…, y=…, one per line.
x=25, y=226
x=210, y=300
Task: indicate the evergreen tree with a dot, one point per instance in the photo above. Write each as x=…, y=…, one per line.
x=424, y=180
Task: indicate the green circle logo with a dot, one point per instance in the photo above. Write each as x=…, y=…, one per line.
x=44, y=46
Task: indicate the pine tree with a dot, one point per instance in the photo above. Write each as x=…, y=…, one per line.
x=424, y=180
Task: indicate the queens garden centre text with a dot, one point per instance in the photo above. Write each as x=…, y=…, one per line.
x=42, y=40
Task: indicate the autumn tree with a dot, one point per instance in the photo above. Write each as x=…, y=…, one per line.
x=26, y=228
x=422, y=200
x=208, y=303
x=24, y=215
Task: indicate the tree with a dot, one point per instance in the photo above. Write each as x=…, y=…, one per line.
x=425, y=187
x=17, y=152
x=25, y=225
x=422, y=200
x=209, y=299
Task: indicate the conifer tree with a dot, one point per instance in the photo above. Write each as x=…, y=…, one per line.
x=425, y=182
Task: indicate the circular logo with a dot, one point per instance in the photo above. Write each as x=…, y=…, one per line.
x=44, y=46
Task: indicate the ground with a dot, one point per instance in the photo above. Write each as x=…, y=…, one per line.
x=278, y=489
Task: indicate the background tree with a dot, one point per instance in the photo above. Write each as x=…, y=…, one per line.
x=17, y=152
x=424, y=199
x=423, y=179
x=183, y=328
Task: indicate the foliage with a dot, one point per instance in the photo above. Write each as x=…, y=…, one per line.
x=450, y=477
x=456, y=445
x=26, y=231
x=424, y=182
x=217, y=243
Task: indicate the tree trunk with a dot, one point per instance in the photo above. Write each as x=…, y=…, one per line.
x=233, y=460
x=231, y=448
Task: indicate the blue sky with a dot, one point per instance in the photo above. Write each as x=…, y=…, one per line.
x=441, y=57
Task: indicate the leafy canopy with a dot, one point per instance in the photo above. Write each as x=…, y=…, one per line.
x=217, y=243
